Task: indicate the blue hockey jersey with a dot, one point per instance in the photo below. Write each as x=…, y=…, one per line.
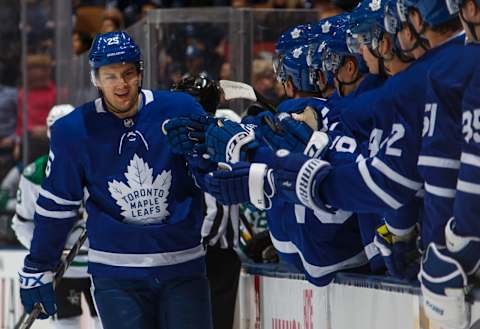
x=142, y=205
x=439, y=160
x=319, y=245
x=467, y=205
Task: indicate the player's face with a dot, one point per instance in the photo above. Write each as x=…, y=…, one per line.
x=470, y=13
x=119, y=84
x=370, y=59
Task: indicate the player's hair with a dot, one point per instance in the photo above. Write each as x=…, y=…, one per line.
x=452, y=25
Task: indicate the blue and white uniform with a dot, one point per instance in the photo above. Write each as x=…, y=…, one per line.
x=142, y=205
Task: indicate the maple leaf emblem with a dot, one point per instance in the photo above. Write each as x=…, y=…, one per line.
x=295, y=33
x=142, y=200
x=326, y=27
x=297, y=52
x=375, y=5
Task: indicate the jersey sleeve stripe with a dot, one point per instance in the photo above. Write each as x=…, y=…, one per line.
x=58, y=200
x=384, y=196
x=470, y=159
x=467, y=187
x=440, y=191
x=371, y=250
x=438, y=162
x=55, y=214
x=394, y=176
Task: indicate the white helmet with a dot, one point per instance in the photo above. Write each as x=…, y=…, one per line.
x=57, y=112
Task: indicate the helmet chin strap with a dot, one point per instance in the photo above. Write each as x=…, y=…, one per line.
x=343, y=84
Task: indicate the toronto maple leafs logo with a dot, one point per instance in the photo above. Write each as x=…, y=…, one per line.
x=375, y=5
x=142, y=200
x=295, y=33
x=297, y=52
x=326, y=27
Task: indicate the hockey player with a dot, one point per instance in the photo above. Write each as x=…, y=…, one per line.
x=388, y=179
x=450, y=263
x=145, y=256
x=76, y=280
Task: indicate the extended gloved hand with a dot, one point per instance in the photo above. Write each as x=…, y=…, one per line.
x=400, y=254
x=294, y=177
x=228, y=141
x=184, y=133
x=242, y=182
x=36, y=286
x=285, y=132
x=444, y=277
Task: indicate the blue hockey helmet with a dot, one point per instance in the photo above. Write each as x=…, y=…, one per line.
x=392, y=21
x=433, y=12
x=328, y=26
x=455, y=5
x=366, y=25
x=335, y=52
x=315, y=65
x=113, y=48
x=293, y=37
x=294, y=65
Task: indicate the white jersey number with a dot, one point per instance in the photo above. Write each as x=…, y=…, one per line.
x=471, y=125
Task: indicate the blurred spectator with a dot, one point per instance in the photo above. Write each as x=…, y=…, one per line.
x=194, y=59
x=282, y=4
x=112, y=21
x=81, y=42
x=41, y=98
x=263, y=78
x=328, y=8
x=8, y=120
x=225, y=72
x=240, y=3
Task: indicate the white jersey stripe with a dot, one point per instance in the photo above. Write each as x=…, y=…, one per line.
x=470, y=159
x=371, y=250
x=145, y=260
x=58, y=200
x=440, y=191
x=384, y=196
x=438, y=162
x=468, y=187
x=55, y=214
x=394, y=176
x=315, y=271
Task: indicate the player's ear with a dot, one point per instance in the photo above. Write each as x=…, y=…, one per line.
x=93, y=78
x=385, y=47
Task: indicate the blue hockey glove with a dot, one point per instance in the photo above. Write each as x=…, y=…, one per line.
x=444, y=288
x=444, y=277
x=228, y=141
x=36, y=286
x=183, y=133
x=296, y=136
x=297, y=178
x=400, y=254
x=242, y=182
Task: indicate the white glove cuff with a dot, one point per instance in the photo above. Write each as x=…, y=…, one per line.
x=256, y=189
x=448, y=311
x=316, y=145
x=35, y=280
x=235, y=144
x=304, y=184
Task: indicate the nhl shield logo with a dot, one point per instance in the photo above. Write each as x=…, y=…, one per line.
x=143, y=200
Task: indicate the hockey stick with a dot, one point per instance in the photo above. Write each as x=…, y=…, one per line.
x=26, y=320
x=241, y=90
